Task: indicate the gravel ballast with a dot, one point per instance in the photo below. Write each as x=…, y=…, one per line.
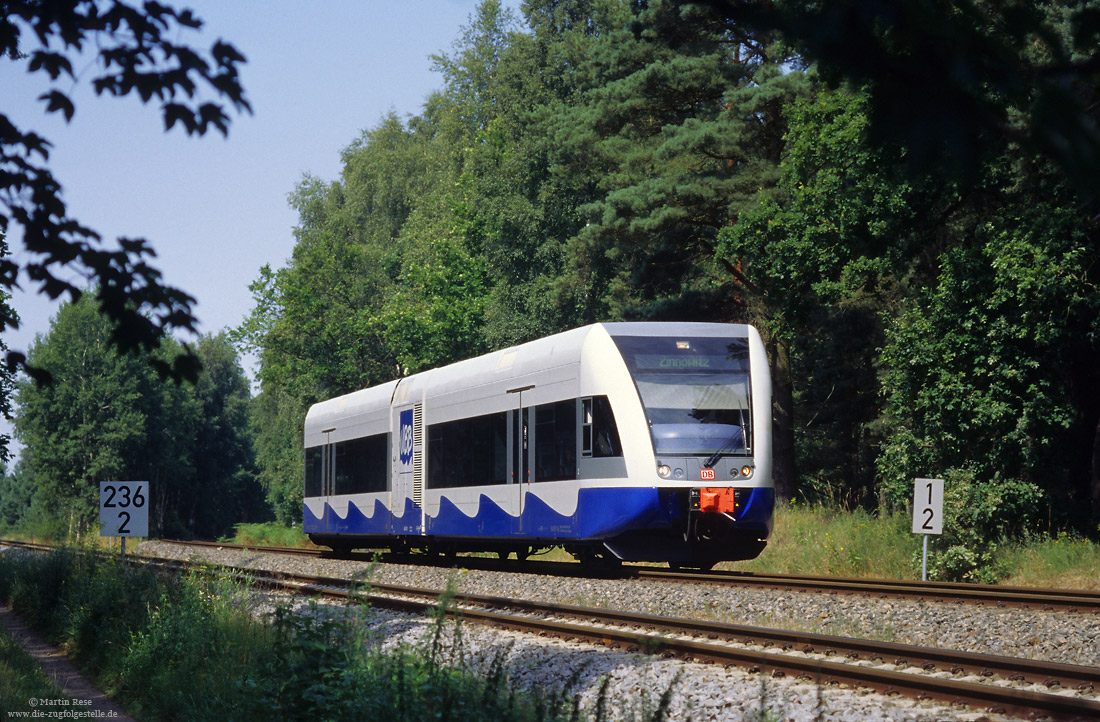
x=635, y=683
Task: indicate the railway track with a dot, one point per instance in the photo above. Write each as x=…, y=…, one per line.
x=884, y=667
x=1042, y=599
x=917, y=672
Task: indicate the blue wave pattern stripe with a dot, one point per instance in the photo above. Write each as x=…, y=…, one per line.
x=601, y=513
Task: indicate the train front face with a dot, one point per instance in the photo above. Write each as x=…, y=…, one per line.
x=706, y=398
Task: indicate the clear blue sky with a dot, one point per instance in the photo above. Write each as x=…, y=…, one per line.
x=215, y=209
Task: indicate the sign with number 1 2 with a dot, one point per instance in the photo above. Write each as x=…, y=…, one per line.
x=928, y=506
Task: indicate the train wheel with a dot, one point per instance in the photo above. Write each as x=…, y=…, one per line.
x=340, y=551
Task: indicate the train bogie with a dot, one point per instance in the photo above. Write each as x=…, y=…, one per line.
x=625, y=441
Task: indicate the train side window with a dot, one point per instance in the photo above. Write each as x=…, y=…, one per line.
x=605, y=434
x=556, y=441
x=342, y=473
x=314, y=460
x=362, y=465
x=586, y=427
x=468, y=452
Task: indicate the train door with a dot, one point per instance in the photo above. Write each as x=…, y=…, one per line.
x=327, y=476
x=519, y=477
x=406, y=500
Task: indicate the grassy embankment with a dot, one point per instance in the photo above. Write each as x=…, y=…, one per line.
x=821, y=541
x=189, y=648
x=815, y=540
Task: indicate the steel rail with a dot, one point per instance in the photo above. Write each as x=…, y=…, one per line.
x=992, y=698
x=921, y=685
x=1079, y=677
x=1042, y=599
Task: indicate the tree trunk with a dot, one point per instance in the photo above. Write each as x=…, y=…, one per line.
x=783, y=468
x=1094, y=480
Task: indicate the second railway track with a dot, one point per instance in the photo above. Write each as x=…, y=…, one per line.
x=1069, y=600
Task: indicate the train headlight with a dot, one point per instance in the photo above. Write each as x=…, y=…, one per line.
x=679, y=473
x=746, y=471
x=663, y=471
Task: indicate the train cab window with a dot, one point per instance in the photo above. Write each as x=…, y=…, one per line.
x=696, y=392
x=468, y=452
x=556, y=441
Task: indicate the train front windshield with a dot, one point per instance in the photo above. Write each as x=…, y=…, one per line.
x=696, y=393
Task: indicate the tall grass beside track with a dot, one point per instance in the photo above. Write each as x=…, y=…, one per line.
x=821, y=541
x=21, y=679
x=188, y=649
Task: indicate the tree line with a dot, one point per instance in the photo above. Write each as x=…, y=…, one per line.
x=898, y=198
x=927, y=286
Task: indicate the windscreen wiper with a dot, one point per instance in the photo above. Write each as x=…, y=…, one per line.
x=713, y=458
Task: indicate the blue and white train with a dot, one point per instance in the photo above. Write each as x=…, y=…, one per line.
x=616, y=441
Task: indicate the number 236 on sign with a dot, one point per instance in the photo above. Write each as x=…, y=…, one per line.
x=124, y=508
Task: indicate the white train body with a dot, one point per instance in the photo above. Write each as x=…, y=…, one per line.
x=646, y=441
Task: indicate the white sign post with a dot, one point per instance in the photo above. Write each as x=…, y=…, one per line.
x=124, y=509
x=927, y=514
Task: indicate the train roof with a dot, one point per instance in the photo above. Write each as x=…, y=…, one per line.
x=542, y=355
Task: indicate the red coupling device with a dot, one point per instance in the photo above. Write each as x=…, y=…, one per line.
x=719, y=499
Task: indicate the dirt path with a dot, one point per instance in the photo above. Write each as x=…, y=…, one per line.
x=74, y=684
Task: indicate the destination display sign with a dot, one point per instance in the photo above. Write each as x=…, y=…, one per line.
x=670, y=362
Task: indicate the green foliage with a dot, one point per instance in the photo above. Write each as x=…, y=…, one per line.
x=187, y=649
x=676, y=126
x=681, y=161
x=822, y=540
x=980, y=75
x=103, y=416
x=172, y=650
x=21, y=679
x=267, y=534
x=979, y=518
x=1060, y=560
x=989, y=536
x=989, y=371
x=820, y=257
x=185, y=661
x=543, y=186
x=16, y=492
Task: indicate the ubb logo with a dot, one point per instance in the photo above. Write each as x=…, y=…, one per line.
x=406, y=451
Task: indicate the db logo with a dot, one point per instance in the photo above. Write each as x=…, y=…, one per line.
x=406, y=449
x=706, y=474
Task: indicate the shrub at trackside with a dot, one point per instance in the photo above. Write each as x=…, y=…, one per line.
x=182, y=648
